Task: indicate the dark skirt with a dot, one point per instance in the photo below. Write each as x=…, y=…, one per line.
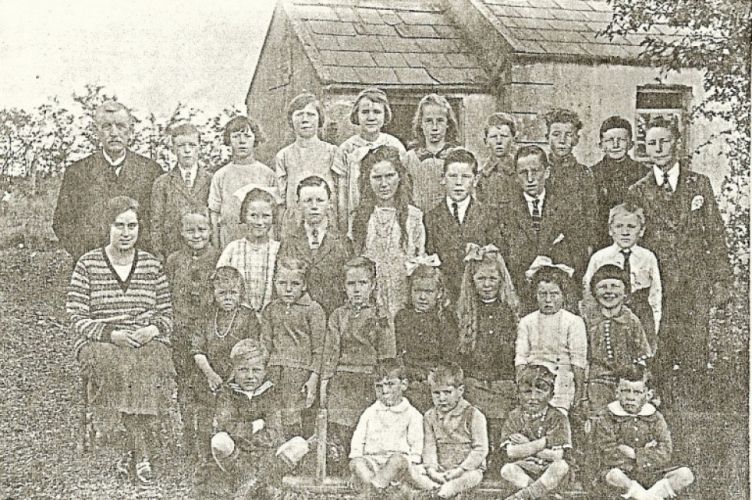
x=288, y=382
x=348, y=395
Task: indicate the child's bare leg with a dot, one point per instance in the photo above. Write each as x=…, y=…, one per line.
x=548, y=481
x=362, y=470
x=465, y=482
x=393, y=470
x=419, y=478
x=515, y=475
x=632, y=489
x=672, y=483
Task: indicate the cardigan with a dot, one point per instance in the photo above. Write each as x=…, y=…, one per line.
x=99, y=302
x=615, y=342
x=567, y=349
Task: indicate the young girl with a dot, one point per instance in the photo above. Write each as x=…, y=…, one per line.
x=317, y=242
x=293, y=331
x=386, y=228
x=358, y=336
x=553, y=336
x=425, y=331
x=254, y=256
x=211, y=344
x=307, y=156
x=370, y=113
x=435, y=130
x=487, y=313
x=231, y=182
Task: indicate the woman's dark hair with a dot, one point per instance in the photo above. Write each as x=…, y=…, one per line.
x=368, y=198
x=117, y=205
x=256, y=194
x=239, y=123
x=376, y=96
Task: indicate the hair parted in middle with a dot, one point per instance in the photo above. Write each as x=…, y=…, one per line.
x=453, y=128
x=375, y=95
x=256, y=194
x=239, y=123
x=117, y=205
x=300, y=101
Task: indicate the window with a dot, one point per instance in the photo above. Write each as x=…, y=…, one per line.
x=670, y=101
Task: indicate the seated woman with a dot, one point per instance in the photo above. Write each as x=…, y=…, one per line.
x=119, y=305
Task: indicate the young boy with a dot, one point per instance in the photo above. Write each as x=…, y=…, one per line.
x=456, y=440
x=573, y=180
x=459, y=219
x=616, y=337
x=626, y=225
x=435, y=131
x=688, y=237
x=248, y=430
x=616, y=171
x=534, y=437
x=497, y=180
x=183, y=190
x=633, y=443
x=188, y=272
x=388, y=440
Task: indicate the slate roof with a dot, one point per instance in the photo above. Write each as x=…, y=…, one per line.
x=405, y=43
x=555, y=28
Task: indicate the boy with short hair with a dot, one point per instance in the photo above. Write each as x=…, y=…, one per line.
x=626, y=225
x=572, y=179
x=189, y=272
x=182, y=190
x=456, y=439
x=248, y=430
x=534, y=437
x=459, y=219
x=616, y=337
x=388, y=440
x=497, y=180
x=616, y=171
x=634, y=445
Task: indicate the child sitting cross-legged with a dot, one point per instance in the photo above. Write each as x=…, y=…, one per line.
x=534, y=437
x=249, y=431
x=456, y=439
x=633, y=443
x=615, y=335
x=388, y=440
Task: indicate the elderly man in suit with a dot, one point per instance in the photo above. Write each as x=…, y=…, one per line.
x=686, y=232
x=539, y=221
x=79, y=219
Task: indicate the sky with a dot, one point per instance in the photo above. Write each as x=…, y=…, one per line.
x=152, y=54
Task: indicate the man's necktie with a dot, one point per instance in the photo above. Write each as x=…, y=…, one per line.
x=536, y=214
x=667, y=184
x=626, y=252
x=315, y=243
x=187, y=180
x=456, y=212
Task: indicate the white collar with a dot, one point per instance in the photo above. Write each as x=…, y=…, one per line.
x=322, y=227
x=257, y=391
x=400, y=407
x=114, y=163
x=615, y=408
x=461, y=207
x=673, y=175
x=529, y=199
x=192, y=171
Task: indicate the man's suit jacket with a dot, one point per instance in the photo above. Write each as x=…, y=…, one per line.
x=170, y=200
x=556, y=237
x=324, y=277
x=88, y=184
x=685, y=231
x=448, y=239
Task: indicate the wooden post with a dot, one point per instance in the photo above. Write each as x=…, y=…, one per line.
x=322, y=422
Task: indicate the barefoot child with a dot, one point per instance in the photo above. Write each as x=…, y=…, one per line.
x=425, y=331
x=456, y=439
x=535, y=437
x=370, y=113
x=626, y=225
x=188, y=272
x=616, y=336
x=223, y=327
x=231, y=182
x=254, y=256
x=183, y=190
x=435, y=130
x=388, y=440
x=293, y=327
x=358, y=337
x=554, y=337
x=633, y=443
x=307, y=156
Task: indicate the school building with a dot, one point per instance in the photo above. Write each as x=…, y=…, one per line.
x=518, y=56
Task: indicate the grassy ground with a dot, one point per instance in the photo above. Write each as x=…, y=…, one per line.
x=40, y=404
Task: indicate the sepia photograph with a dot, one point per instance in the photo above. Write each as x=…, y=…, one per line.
x=375, y=249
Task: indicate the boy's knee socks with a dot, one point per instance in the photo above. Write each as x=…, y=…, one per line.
x=662, y=489
x=637, y=492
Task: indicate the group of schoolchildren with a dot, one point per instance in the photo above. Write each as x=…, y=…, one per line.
x=444, y=287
